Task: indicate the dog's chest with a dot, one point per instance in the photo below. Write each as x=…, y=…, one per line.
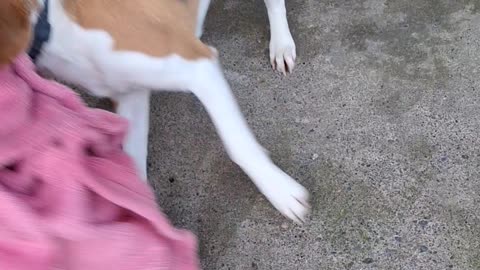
x=82, y=57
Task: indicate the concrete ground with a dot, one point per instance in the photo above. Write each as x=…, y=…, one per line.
x=380, y=121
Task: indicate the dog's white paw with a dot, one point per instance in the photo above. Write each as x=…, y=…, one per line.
x=285, y=194
x=283, y=53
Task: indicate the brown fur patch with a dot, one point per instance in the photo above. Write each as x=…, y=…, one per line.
x=154, y=27
x=15, y=28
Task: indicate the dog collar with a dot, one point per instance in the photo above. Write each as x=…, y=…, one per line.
x=41, y=32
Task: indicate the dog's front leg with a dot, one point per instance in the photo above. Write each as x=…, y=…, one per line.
x=210, y=86
x=135, y=107
x=204, y=78
x=282, y=46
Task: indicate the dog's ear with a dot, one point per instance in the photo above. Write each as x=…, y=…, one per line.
x=15, y=28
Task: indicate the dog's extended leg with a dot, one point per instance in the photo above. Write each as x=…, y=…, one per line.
x=210, y=86
x=202, y=13
x=204, y=78
x=282, y=46
x=135, y=107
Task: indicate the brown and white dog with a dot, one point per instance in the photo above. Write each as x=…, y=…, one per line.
x=122, y=49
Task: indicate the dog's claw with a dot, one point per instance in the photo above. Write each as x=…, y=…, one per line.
x=290, y=61
x=280, y=64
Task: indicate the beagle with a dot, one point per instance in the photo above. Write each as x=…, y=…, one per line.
x=123, y=50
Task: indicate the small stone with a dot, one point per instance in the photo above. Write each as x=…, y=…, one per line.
x=465, y=156
x=284, y=226
x=423, y=223
x=423, y=249
x=368, y=260
x=314, y=156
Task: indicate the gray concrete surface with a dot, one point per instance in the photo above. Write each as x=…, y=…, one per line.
x=380, y=120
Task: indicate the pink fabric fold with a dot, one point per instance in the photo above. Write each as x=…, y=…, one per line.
x=70, y=198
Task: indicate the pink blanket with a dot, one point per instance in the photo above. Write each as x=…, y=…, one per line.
x=69, y=197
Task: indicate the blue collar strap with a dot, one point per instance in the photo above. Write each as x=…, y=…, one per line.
x=41, y=32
